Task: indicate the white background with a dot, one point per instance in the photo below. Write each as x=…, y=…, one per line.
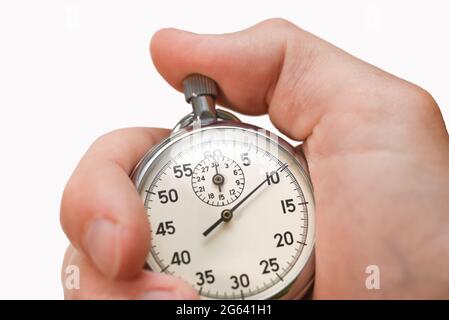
x=73, y=70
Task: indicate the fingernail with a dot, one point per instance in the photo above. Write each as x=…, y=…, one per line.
x=160, y=295
x=103, y=245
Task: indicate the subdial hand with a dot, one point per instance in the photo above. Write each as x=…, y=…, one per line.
x=226, y=215
x=217, y=179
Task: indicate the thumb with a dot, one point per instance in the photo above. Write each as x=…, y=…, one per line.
x=277, y=68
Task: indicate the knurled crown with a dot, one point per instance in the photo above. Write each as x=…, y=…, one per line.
x=198, y=85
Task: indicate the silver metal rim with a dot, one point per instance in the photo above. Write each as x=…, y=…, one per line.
x=300, y=285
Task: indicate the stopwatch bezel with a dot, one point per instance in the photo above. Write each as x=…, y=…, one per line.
x=299, y=286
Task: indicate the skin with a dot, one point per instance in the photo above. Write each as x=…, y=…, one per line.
x=378, y=154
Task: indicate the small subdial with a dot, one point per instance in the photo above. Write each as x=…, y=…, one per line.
x=218, y=180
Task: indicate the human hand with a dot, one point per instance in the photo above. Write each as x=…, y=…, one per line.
x=376, y=145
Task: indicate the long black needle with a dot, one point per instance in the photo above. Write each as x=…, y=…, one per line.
x=219, y=221
x=212, y=227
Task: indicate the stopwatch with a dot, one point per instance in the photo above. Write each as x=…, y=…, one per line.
x=230, y=205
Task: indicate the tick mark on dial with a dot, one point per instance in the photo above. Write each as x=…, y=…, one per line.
x=283, y=167
x=165, y=268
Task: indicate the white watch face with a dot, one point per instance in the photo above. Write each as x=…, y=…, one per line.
x=231, y=212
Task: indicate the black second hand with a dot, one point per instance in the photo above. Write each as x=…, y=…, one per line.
x=212, y=227
x=220, y=220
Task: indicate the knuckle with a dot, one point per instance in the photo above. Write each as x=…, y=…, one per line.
x=107, y=137
x=137, y=135
x=278, y=23
x=424, y=105
x=427, y=99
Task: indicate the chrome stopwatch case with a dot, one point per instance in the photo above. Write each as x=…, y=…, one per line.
x=230, y=205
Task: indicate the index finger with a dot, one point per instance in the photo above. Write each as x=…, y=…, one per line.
x=101, y=211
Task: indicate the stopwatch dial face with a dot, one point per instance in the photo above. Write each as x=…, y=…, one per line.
x=231, y=212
